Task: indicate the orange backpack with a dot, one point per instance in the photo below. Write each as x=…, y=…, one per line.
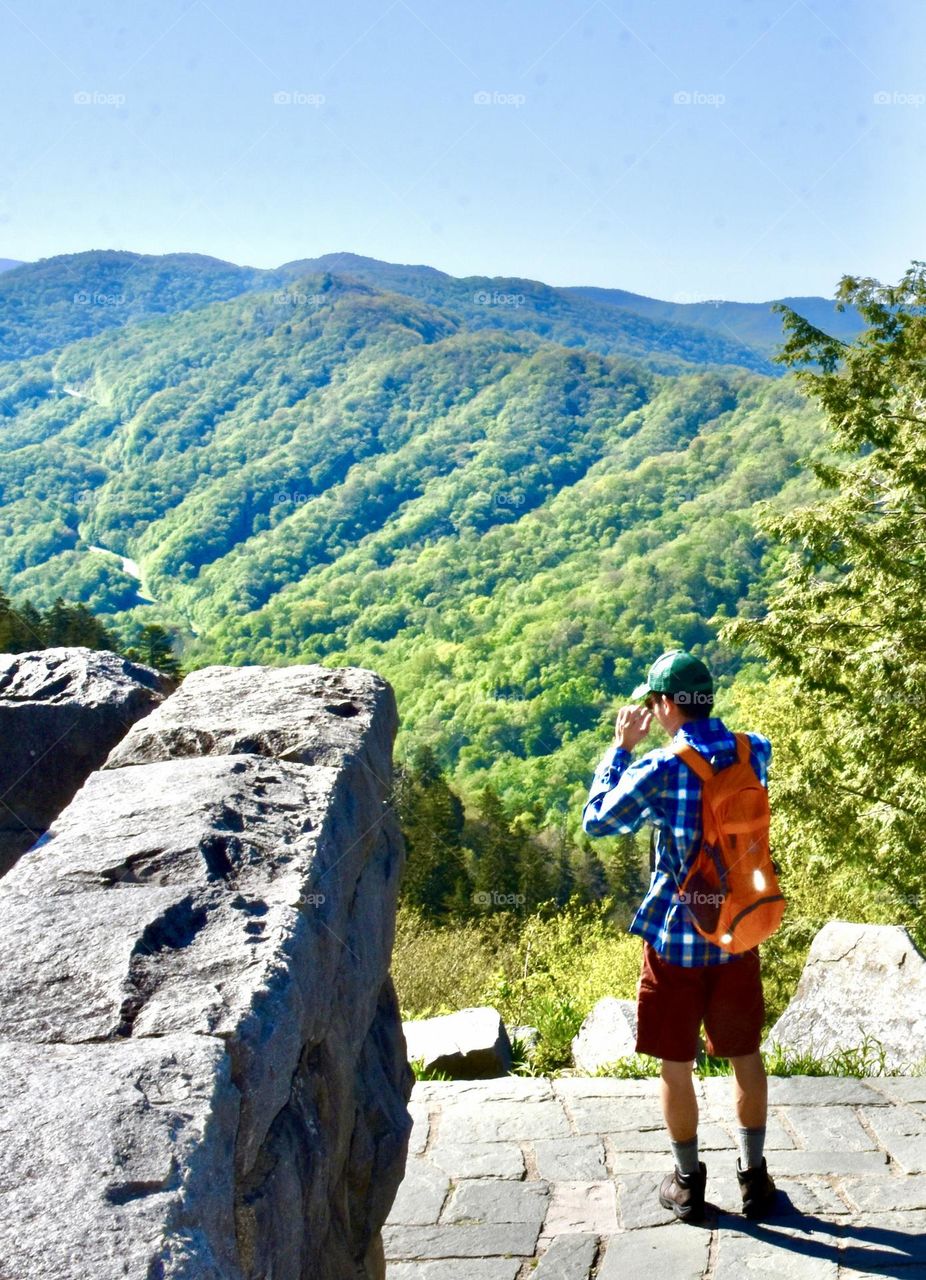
x=732, y=891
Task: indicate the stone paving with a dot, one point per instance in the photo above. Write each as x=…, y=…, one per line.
x=557, y=1180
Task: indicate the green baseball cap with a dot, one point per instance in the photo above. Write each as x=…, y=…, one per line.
x=678, y=674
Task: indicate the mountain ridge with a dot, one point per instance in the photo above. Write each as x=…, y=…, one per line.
x=57, y=300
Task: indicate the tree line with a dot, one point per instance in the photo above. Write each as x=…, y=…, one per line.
x=24, y=628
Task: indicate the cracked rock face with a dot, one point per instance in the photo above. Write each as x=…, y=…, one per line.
x=61, y=713
x=202, y=1038
x=858, y=980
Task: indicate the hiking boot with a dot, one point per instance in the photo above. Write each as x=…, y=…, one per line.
x=683, y=1193
x=757, y=1189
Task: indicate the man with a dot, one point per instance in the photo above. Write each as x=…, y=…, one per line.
x=686, y=980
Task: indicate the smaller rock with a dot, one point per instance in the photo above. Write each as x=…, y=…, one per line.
x=527, y=1035
x=471, y=1044
x=62, y=711
x=609, y=1032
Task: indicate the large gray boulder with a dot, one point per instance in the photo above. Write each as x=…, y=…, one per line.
x=608, y=1032
x=61, y=713
x=858, y=980
x=470, y=1044
x=303, y=714
x=202, y=1068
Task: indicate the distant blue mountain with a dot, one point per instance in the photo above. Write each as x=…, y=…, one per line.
x=754, y=324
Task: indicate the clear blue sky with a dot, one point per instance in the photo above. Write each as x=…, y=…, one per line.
x=263, y=132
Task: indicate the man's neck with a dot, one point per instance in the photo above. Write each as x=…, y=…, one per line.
x=690, y=723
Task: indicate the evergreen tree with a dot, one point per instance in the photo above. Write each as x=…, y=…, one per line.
x=591, y=877
x=533, y=873
x=435, y=879
x=20, y=629
x=496, y=868
x=33, y=626
x=87, y=630
x=57, y=626
x=847, y=619
x=626, y=868
x=155, y=649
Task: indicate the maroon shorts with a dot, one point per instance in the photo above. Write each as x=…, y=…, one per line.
x=673, y=1001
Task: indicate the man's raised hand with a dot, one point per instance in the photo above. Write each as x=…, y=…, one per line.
x=632, y=726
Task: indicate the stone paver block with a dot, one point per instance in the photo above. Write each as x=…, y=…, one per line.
x=421, y=1194
x=624, y=1162
x=478, y=1159
x=902, y=1088
x=578, y=1159
x=824, y=1163
x=501, y=1089
x=890, y=1192
x=839, y=1128
x=567, y=1257
x=900, y=1120
x=476, y=1200
x=483, y=1241
x=908, y=1153
x=501, y=1121
x=604, y=1087
x=823, y=1091
x=614, y=1115
x=638, y=1200
x=774, y=1249
x=456, y=1269
x=581, y=1207
x=678, y=1250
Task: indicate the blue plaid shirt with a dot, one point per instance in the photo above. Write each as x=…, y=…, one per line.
x=661, y=789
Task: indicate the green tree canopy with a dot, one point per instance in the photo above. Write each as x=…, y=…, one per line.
x=847, y=618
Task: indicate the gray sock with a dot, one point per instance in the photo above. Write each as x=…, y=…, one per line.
x=752, y=1145
x=686, y=1155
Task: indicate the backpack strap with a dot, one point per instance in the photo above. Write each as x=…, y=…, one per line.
x=695, y=761
x=700, y=766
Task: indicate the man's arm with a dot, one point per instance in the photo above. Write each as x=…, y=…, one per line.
x=620, y=798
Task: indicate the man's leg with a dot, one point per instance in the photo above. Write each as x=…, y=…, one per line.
x=679, y=1104
x=733, y=1025
x=750, y=1097
x=683, y=1190
x=750, y=1090
x=668, y=1018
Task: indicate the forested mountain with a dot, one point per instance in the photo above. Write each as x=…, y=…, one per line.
x=47, y=304
x=7, y=264
x=507, y=528
x=668, y=345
